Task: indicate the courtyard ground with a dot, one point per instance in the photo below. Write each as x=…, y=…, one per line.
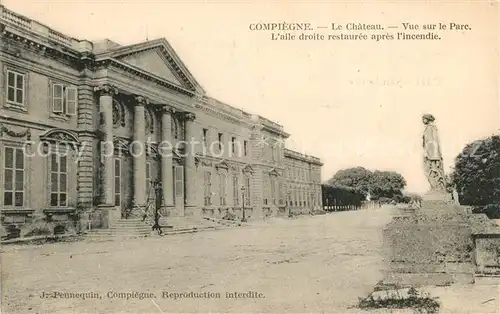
x=318, y=264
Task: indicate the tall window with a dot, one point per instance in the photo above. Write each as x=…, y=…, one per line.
x=64, y=99
x=16, y=88
x=273, y=190
x=266, y=191
x=13, y=177
x=178, y=181
x=222, y=189
x=245, y=148
x=205, y=138
x=220, y=139
x=281, y=193
x=247, y=191
x=148, y=180
x=207, y=183
x=118, y=182
x=233, y=144
x=236, y=193
x=58, y=180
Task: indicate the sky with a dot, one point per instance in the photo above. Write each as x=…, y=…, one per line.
x=350, y=103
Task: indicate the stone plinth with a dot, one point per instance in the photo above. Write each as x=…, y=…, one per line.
x=487, y=251
x=430, y=245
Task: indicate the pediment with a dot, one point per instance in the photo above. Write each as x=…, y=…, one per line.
x=152, y=150
x=158, y=58
x=153, y=62
x=176, y=155
x=121, y=144
x=274, y=172
x=222, y=165
x=60, y=135
x=248, y=169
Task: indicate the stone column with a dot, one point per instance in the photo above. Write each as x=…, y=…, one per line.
x=106, y=145
x=190, y=167
x=166, y=155
x=86, y=135
x=139, y=151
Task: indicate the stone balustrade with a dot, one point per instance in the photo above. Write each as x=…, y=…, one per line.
x=18, y=21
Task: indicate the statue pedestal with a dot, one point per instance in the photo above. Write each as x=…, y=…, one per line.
x=432, y=245
x=438, y=196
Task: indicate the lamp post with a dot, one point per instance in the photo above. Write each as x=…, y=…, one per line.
x=158, y=186
x=244, y=219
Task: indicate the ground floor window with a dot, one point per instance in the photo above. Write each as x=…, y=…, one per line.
x=281, y=193
x=118, y=182
x=207, y=184
x=247, y=191
x=178, y=181
x=58, y=180
x=235, y=190
x=150, y=193
x=273, y=190
x=222, y=189
x=14, y=177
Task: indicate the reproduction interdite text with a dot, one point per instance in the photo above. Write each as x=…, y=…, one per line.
x=150, y=295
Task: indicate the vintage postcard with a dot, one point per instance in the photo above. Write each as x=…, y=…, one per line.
x=249, y=156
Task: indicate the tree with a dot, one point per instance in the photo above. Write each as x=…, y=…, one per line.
x=335, y=195
x=379, y=184
x=387, y=184
x=357, y=177
x=477, y=172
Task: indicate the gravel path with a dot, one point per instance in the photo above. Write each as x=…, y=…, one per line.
x=310, y=264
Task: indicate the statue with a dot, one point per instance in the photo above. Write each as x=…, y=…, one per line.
x=433, y=160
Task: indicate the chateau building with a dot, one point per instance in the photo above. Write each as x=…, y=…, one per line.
x=89, y=126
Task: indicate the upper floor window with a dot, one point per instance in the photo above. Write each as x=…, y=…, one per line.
x=205, y=138
x=233, y=144
x=220, y=139
x=64, y=99
x=245, y=148
x=16, y=88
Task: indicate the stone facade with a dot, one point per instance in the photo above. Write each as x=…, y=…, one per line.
x=88, y=126
x=302, y=182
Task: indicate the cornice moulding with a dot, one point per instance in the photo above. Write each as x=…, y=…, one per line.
x=35, y=67
x=106, y=62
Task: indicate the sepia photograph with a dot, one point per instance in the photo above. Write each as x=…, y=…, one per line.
x=249, y=156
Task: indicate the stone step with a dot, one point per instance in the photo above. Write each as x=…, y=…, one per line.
x=110, y=231
x=130, y=226
x=106, y=235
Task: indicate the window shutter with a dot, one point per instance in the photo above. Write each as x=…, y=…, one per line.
x=57, y=98
x=71, y=101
